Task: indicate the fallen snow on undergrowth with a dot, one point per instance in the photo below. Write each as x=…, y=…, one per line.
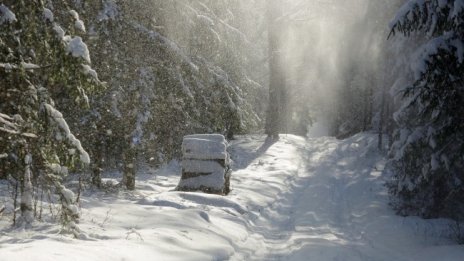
x=294, y=199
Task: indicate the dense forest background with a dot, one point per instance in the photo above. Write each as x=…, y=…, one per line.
x=88, y=86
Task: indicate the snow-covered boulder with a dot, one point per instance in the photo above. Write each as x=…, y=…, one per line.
x=205, y=164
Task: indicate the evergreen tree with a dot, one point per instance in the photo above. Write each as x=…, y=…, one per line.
x=179, y=61
x=427, y=155
x=39, y=63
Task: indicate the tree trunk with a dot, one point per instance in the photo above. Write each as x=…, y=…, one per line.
x=97, y=165
x=26, y=205
x=367, y=113
x=129, y=168
x=389, y=121
x=277, y=91
x=382, y=120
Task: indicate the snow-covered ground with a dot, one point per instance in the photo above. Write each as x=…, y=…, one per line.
x=294, y=199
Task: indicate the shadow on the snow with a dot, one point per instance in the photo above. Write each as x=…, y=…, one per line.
x=243, y=156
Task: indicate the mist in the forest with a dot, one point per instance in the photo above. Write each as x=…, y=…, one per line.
x=333, y=51
x=335, y=46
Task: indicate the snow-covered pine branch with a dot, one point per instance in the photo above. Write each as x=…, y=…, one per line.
x=430, y=139
x=45, y=80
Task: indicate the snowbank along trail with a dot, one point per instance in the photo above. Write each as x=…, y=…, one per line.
x=327, y=201
x=293, y=199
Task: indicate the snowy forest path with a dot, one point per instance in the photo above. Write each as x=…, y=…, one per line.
x=331, y=205
x=275, y=221
x=318, y=199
